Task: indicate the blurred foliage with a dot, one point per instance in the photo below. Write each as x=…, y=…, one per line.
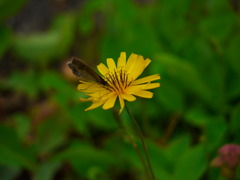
x=46, y=134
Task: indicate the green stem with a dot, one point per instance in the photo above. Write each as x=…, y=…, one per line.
x=139, y=132
x=131, y=140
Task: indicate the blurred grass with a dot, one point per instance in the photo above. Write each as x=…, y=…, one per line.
x=45, y=132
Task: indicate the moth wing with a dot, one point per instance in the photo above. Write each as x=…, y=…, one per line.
x=80, y=69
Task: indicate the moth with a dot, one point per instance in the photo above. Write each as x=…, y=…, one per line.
x=80, y=69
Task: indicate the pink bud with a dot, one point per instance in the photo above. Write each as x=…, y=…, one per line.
x=229, y=155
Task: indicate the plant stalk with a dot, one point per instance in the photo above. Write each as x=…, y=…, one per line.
x=139, y=132
x=131, y=140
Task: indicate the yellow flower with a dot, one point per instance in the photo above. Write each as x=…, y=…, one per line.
x=121, y=82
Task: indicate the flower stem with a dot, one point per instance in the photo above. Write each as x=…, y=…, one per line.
x=131, y=140
x=139, y=132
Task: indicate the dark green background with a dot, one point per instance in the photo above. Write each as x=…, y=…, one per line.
x=46, y=134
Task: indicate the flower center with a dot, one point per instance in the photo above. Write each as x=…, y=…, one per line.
x=117, y=80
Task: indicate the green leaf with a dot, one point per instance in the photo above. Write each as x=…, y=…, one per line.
x=79, y=118
x=212, y=26
x=214, y=132
x=22, y=125
x=122, y=146
x=48, y=138
x=160, y=162
x=185, y=76
x=102, y=119
x=232, y=53
x=129, y=159
x=46, y=171
x=86, y=24
x=37, y=48
x=84, y=157
x=215, y=174
x=176, y=147
x=64, y=92
x=7, y=8
x=170, y=96
x=24, y=82
x=233, y=90
x=12, y=152
x=40, y=48
x=64, y=24
x=126, y=35
x=191, y=164
x=238, y=173
x=86, y=15
x=5, y=36
x=175, y=8
x=235, y=120
x=171, y=21
x=197, y=116
x=9, y=173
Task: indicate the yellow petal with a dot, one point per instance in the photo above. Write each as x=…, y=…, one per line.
x=141, y=68
x=147, y=62
x=102, y=69
x=110, y=102
x=144, y=94
x=121, y=104
x=131, y=61
x=90, y=87
x=122, y=60
x=136, y=66
x=85, y=99
x=111, y=64
x=84, y=85
x=100, y=94
x=98, y=89
x=128, y=97
x=151, y=86
x=136, y=88
x=146, y=79
x=95, y=105
x=132, y=89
